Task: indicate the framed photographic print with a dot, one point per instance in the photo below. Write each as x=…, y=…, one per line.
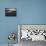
x=10, y=11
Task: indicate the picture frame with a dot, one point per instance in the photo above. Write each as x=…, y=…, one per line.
x=10, y=11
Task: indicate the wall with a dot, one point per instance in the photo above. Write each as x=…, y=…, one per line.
x=28, y=12
x=33, y=12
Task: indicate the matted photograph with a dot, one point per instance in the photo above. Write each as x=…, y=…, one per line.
x=10, y=11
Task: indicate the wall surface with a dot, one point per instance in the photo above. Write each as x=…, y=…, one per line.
x=28, y=12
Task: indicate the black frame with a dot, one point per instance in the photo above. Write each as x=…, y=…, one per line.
x=10, y=11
